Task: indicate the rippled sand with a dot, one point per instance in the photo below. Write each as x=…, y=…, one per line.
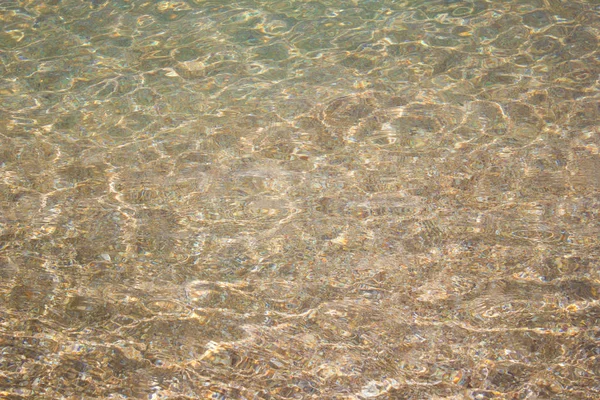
x=299, y=199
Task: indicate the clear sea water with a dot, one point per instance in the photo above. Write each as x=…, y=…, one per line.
x=286, y=199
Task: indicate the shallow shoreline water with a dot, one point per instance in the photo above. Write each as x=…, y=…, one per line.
x=299, y=200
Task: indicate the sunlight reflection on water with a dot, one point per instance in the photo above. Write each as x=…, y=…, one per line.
x=291, y=199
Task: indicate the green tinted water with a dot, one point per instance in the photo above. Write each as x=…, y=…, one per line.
x=299, y=199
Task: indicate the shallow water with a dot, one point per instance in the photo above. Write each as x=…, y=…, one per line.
x=299, y=199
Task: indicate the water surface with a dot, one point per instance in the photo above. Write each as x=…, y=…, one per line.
x=299, y=199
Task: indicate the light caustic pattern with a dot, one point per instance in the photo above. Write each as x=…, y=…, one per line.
x=299, y=199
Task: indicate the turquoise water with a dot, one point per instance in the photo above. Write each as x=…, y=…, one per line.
x=299, y=199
